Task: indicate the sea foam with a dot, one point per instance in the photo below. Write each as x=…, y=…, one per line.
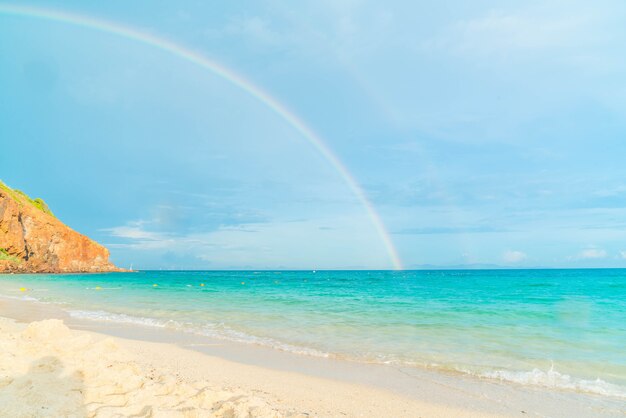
x=218, y=331
x=553, y=379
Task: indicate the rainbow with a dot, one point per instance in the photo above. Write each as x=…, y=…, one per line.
x=225, y=73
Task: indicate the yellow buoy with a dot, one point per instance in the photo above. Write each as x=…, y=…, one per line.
x=23, y=289
x=98, y=288
x=155, y=285
x=201, y=284
x=243, y=282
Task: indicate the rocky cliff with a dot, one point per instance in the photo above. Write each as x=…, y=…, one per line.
x=33, y=240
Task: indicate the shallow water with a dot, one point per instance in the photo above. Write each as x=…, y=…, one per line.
x=556, y=328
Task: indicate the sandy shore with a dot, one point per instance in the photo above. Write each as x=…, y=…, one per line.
x=47, y=370
x=50, y=370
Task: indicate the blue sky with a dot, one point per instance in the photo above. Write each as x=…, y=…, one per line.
x=482, y=132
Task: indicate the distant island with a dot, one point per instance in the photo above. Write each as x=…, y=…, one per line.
x=33, y=240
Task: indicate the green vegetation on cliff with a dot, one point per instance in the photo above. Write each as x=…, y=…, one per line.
x=4, y=255
x=22, y=198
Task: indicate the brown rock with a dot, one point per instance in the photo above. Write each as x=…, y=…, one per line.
x=32, y=240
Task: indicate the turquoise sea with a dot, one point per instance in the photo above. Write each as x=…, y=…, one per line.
x=557, y=328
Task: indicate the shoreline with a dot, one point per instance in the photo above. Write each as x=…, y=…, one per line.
x=117, y=375
x=421, y=392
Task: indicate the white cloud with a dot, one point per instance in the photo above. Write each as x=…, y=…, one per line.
x=133, y=232
x=513, y=256
x=254, y=28
x=318, y=243
x=592, y=253
x=502, y=31
x=138, y=238
x=509, y=31
x=622, y=254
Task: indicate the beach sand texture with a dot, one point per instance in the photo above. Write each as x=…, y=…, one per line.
x=48, y=370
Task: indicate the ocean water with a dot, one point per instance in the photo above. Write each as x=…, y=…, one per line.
x=564, y=329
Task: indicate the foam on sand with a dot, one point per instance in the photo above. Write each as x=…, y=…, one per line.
x=218, y=331
x=554, y=379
